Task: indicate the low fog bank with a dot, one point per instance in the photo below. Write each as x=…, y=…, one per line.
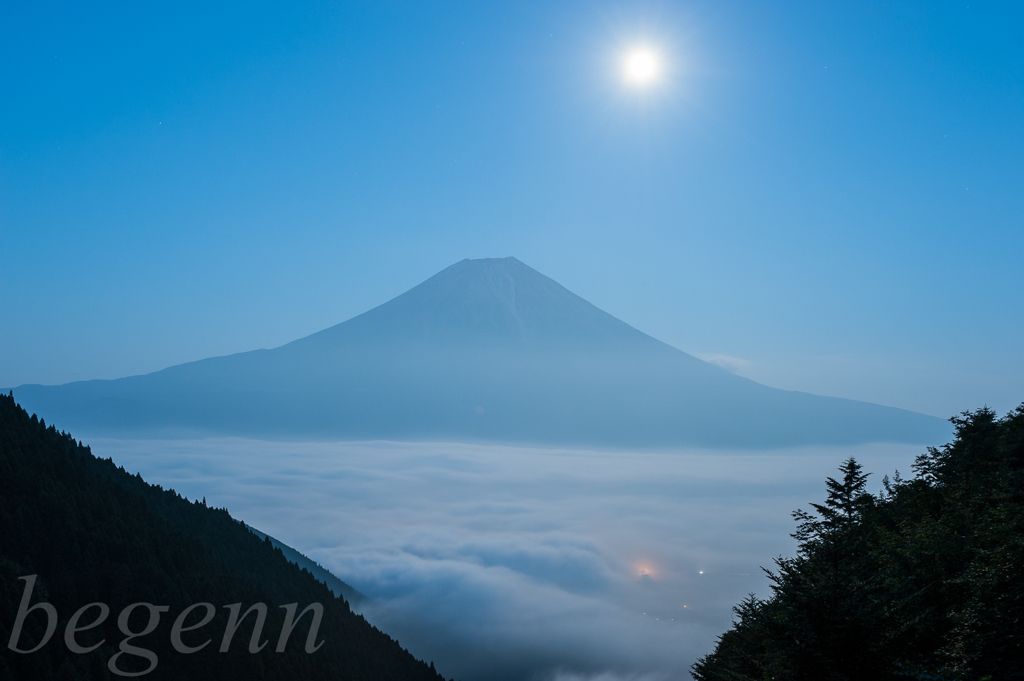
x=513, y=563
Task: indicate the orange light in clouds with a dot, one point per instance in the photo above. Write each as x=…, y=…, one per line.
x=645, y=569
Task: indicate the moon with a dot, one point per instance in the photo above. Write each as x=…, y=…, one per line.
x=641, y=67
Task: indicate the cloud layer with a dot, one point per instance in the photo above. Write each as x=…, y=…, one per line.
x=513, y=563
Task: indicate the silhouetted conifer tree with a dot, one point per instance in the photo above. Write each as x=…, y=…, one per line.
x=925, y=581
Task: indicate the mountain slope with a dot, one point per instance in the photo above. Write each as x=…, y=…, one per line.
x=337, y=587
x=923, y=581
x=486, y=350
x=92, y=532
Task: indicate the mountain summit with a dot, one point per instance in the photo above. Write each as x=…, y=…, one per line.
x=492, y=301
x=486, y=350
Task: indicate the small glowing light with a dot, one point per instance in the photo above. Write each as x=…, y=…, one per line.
x=702, y=572
x=641, y=66
x=645, y=569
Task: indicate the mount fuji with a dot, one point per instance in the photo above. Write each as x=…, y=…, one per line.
x=484, y=351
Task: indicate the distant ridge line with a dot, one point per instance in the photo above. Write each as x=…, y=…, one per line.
x=486, y=350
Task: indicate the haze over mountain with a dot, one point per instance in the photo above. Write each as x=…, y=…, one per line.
x=486, y=350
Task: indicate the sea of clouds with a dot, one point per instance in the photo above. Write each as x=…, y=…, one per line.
x=512, y=563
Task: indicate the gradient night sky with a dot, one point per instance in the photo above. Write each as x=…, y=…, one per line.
x=830, y=193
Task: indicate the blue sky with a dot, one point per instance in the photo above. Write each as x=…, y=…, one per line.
x=831, y=194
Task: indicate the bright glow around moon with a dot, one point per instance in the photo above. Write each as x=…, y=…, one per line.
x=641, y=67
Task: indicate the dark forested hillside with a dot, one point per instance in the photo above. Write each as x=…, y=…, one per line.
x=93, y=533
x=923, y=581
